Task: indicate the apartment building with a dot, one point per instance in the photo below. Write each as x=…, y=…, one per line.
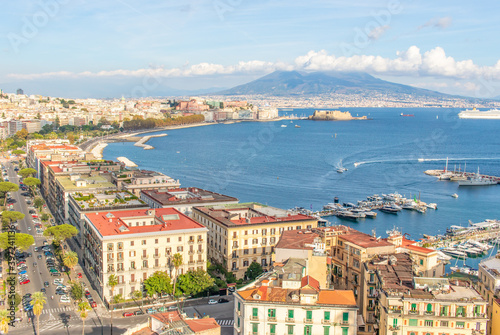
x=240, y=234
x=136, y=181
x=66, y=185
x=308, y=246
x=489, y=285
x=133, y=244
x=408, y=305
x=184, y=199
x=284, y=302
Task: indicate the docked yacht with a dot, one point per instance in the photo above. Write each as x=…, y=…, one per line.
x=476, y=180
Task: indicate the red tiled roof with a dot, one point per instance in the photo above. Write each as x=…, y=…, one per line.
x=311, y=282
x=336, y=297
x=267, y=219
x=364, y=240
x=108, y=226
x=167, y=317
x=200, y=325
x=296, y=239
x=410, y=245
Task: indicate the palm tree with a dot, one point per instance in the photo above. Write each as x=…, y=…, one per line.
x=112, y=282
x=70, y=259
x=37, y=303
x=4, y=321
x=83, y=308
x=176, y=262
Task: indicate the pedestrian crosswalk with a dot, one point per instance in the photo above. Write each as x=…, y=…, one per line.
x=57, y=310
x=225, y=323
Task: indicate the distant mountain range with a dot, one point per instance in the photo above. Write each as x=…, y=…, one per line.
x=290, y=83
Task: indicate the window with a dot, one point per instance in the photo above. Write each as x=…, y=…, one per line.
x=180, y=238
x=110, y=246
x=120, y=245
x=255, y=312
x=444, y=323
x=168, y=239
x=239, y=306
x=413, y=322
x=255, y=328
x=460, y=325
x=326, y=330
x=131, y=243
x=429, y=308
x=327, y=316
x=290, y=329
x=444, y=311
x=271, y=312
x=308, y=330
x=421, y=262
x=156, y=241
x=309, y=315
x=179, y=249
x=460, y=311
x=272, y=329
x=132, y=265
x=429, y=323
x=394, y=322
x=345, y=331
x=290, y=313
x=345, y=317
x=238, y=322
x=143, y=242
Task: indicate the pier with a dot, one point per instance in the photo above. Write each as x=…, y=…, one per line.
x=453, y=175
x=142, y=141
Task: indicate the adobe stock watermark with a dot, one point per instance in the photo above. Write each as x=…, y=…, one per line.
x=32, y=24
x=222, y=7
x=249, y=149
x=379, y=22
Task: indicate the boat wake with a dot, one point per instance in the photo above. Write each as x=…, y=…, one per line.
x=421, y=160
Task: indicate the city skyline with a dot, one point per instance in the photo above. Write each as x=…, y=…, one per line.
x=91, y=49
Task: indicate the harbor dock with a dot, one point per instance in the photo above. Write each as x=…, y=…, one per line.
x=455, y=176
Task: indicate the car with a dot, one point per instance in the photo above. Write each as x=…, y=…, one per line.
x=34, y=216
x=222, y=300
x=212, y=302
x=39, y=231
x=35, y=264
x=46, y=248
x=43, y=289
x=36, y=248
x=55, y=274
x=28, y=308
x=39, y=256
x=53, y=270
x=128, y=314
x=93, y=304
x=29, y=228
x=139, y=312
x=22, y=272
x=32, y=211
x=65, y=299
x=87, y=294
x=26, y=281
x=58, y=281
x=60, y=292
x=79, y=275
x=46, y=284
x=173, y=308
x=45, y=243
x=151, y=311
x=27, y=295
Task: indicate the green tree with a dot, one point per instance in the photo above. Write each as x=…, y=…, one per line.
x=14, y=300
x=71, y=138
x=51, y=136
x=253, y=271
x=31, y=182
x=112, y=282
x=60, y=233
x=37, y=303
x=27, y=172
x=37, y=136
x=57, y=123
x=4, y=321
x=44, y=217
x=10, y=216
x=176, y=262
x=194, y=282
x=158, y=283
x=6, y=187
x=77, y=291
x=70, y=259
x=38, y=202
x=18, y=152
x=83, y=308
x=23, y=133
x=21, y=241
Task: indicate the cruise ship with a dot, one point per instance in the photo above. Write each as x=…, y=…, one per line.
x=477, y=114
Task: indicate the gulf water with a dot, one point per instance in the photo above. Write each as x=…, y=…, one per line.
x=291, y=166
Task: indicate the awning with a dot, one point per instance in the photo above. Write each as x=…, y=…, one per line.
x=361, y=322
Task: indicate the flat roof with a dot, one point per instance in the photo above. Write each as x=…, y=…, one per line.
x=188, y=195
x=92, y=182
x=364, y=240
x=110, y=223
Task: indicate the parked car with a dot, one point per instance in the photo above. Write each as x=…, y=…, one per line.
x=55, y=274
x=79, y=275
x=128, y=314
x=26, y=281
x=46, y=284
x=43, y=289
x=222, y=300
x=65, y=299
x=93, y=304
x=173, y=308
x=58, y=281
x=87, y=294
x=139, y=312
x=212, y=302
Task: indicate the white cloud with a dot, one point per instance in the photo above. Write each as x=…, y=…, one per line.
x=433, y=63
x=378, y=31
x=439, y=22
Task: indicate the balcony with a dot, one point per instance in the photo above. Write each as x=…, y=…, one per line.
x=289, y=320
x=326, y=322
x=132, y=268
x=143, y=257
x=200, y=261
x=271, y=319
x=306, y=320
x=156, y=255
x=200, y=240
x=191, y=252
x=254, y=318
x=120, y=270
x=412, y=311
x=191, y=242
x=191, y=262
x=432, y=313
x=203, y=251
x=393, y=327
x=344, y=322
x=370, y=308
x=235, y=269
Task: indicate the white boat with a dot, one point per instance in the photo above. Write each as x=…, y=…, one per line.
x=340, y=168
x=443, y=257
x=283, y=126
x=454, y=195
x=477, y=180
x=454, y=253
x=432, y=205
x=477, y=114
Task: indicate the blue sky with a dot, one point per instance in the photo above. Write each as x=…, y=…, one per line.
x=108, y=48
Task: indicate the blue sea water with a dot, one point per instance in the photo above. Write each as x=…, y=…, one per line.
x=288, y=166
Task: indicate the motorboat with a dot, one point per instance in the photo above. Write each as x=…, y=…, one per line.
x=454, y=253
x=454, y=195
